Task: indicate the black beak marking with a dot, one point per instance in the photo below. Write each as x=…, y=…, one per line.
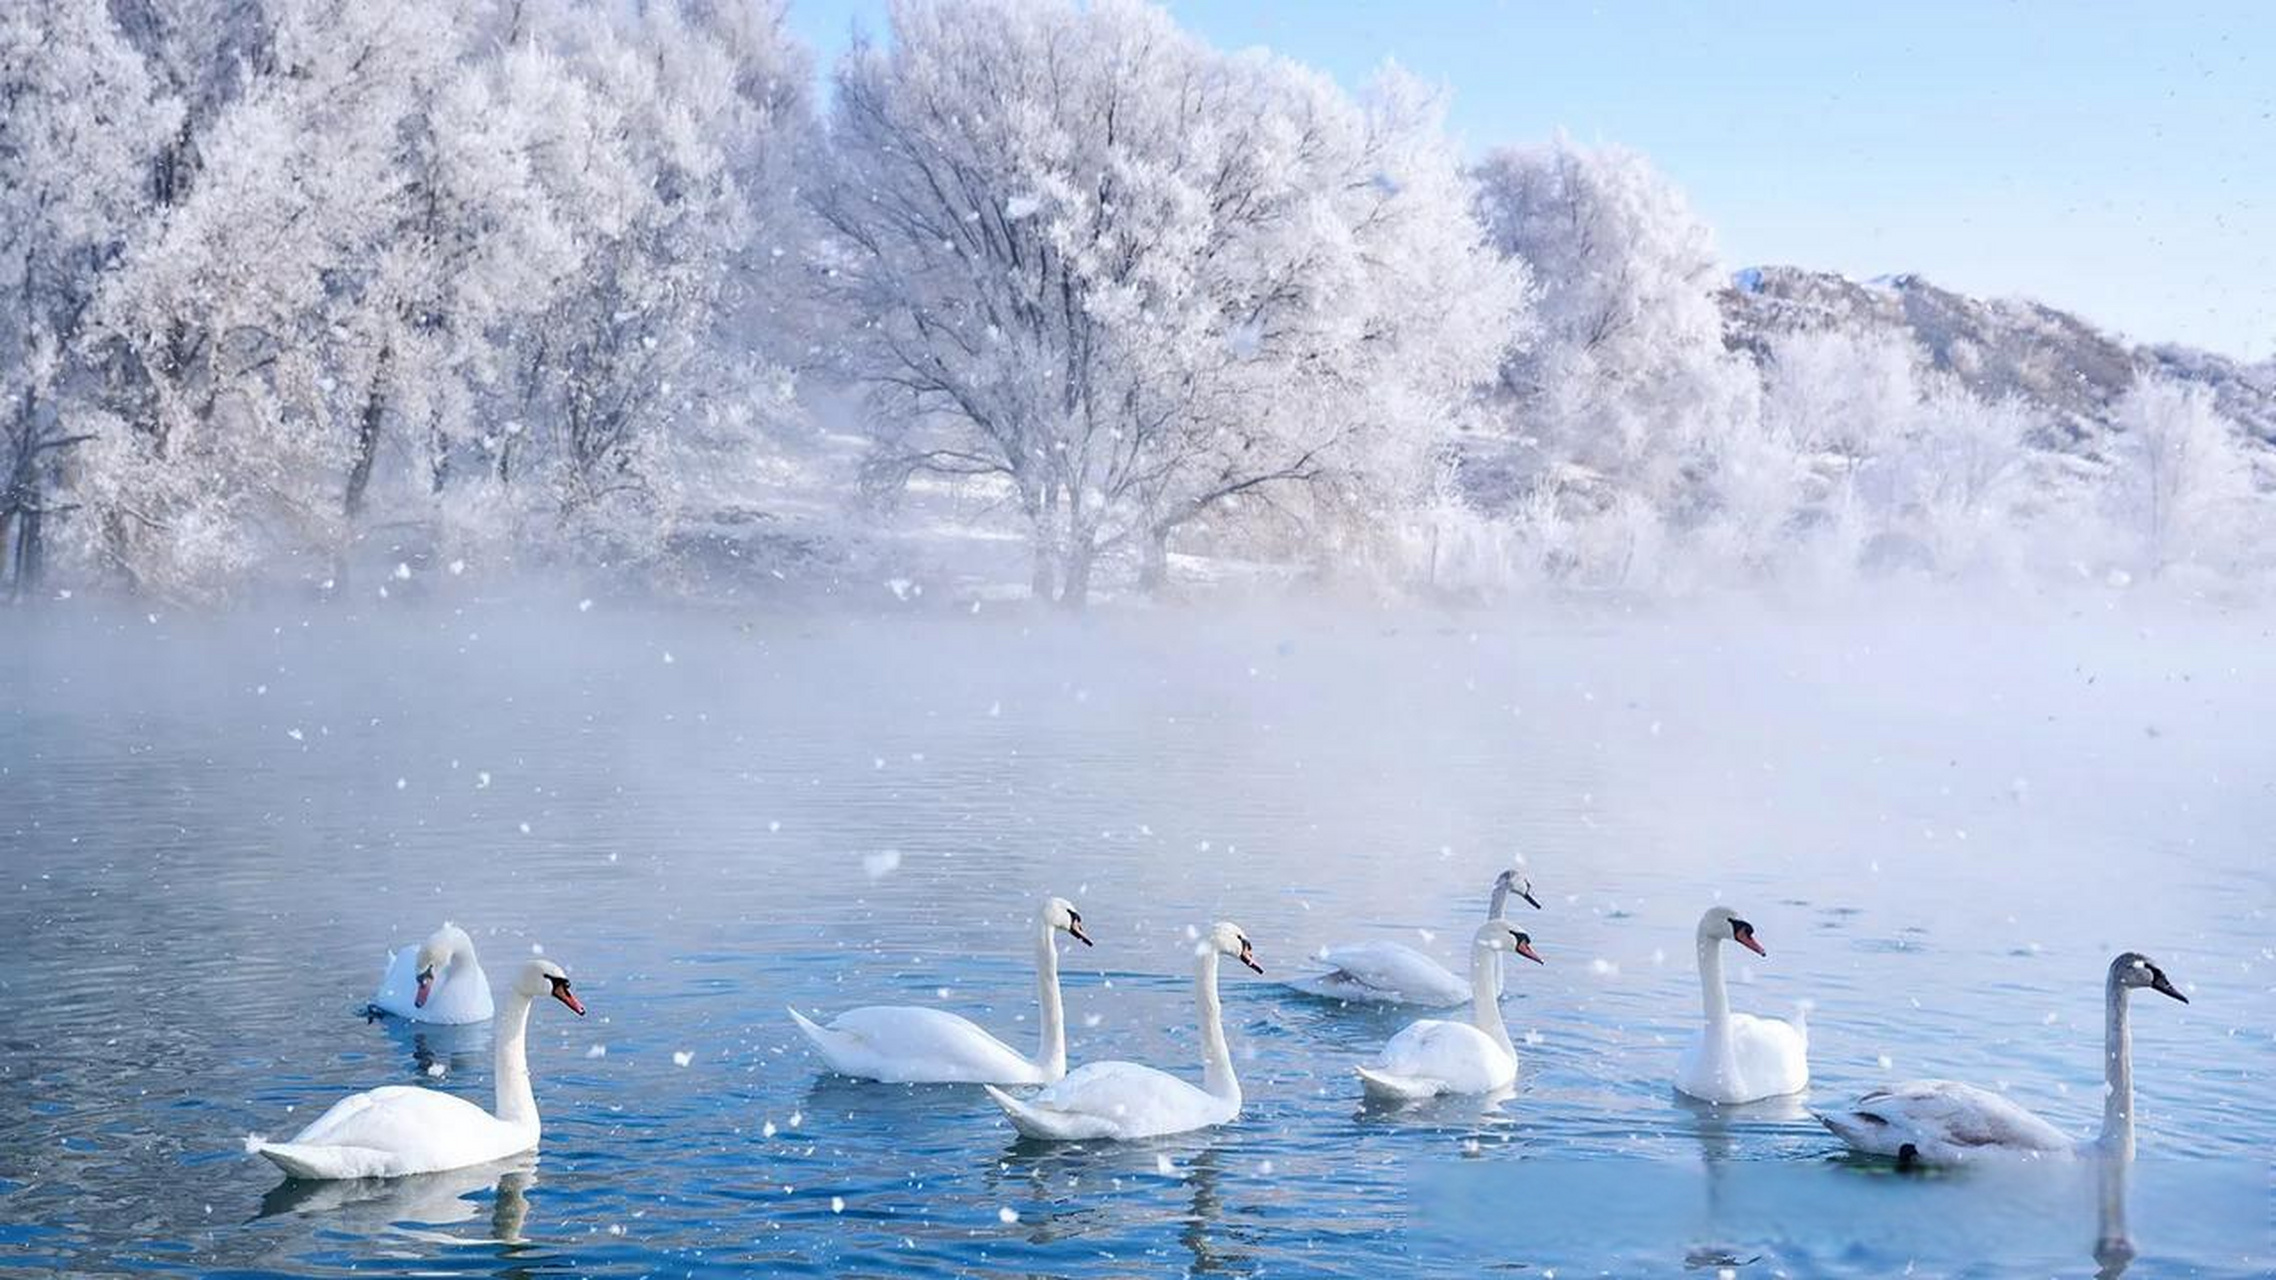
x=1527, y=894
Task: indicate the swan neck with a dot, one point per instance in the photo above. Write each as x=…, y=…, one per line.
x=516, y=1103
x=1499, y=902
x=1216, y=1060
x=1712, y=995
x=1051, y=1039
x=2117, y=1073
x=1485, y=990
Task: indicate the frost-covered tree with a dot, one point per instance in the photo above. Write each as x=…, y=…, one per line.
x=1625, y=378
x=80, y=118
x=1136, y=281
x=1848, y=396
x=305, y=280
x=2180, y=481
x=466, y=270
x=671, y=140
x=1966, y=477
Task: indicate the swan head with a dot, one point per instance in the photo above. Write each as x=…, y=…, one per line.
x=2133, y=969
x=1496, y=935
x=1058, y=913
x=542, y=977
x=1723, y=925
x=436, y=955
x=1515, y=881
x=1226, y=938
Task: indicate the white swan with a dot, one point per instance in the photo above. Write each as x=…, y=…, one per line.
x=1432, y=1057
x=440, y=980
x=1394, y=973
x=1738, y=1057
x=401, y=1129
x=907, y=1044
x=1122, y=1100
x=1943, y=1122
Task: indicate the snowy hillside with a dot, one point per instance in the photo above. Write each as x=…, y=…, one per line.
x=2057, y=361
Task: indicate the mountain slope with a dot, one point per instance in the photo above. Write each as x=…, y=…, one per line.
x=2052, y=358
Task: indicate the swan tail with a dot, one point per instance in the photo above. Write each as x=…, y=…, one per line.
x=297, y=1160
x=1384, y=1085
x=1860, y=1133
x=1802, y=1017
x=1031, y=1120
x=831, y=1043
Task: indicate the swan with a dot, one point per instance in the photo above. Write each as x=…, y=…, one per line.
x=1123, y=1100
x=906, y=1044
x=1738, y=1057
x=1943, y=1122
x=1394, y=973
x=1432, y=1057
x=402, y=1129
x=440, y=980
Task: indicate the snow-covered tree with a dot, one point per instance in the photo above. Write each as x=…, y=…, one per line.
x=1626, y=377
x=80, y=119
x=1137, y=281
x=671, y=141
x=429, y=264
x=1848, y=396
x=1966, y=476
x=2180, y=482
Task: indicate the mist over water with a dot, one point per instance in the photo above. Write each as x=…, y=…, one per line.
x=1942, y=825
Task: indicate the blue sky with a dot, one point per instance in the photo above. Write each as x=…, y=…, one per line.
x=2116, y=159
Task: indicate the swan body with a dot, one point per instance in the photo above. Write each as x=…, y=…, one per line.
x=1738, y=1057
x=1943, y=1122
x=1384, y=973
x=909, y=1044
x=1124, y=1100
x=439, y=981
x=400, y=1129
x=1432, y=1056
x=1394, y=973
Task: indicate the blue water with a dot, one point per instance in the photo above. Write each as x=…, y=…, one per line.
x=211, y=830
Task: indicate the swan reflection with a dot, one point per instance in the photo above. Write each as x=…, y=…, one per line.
x=2113, y=1248
x=414, y=1206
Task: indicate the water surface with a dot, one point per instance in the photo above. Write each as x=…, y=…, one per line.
x=212, y=830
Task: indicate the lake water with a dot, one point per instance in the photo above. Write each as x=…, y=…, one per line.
x=212, y=830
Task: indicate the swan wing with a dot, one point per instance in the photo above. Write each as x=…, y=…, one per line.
x=1385, y=972
x=1773, y=1057
x=1456, y=1056
x=396, y=1130
x=1944, y=1121
x=908, y=1044
x=1117, y=1100
x=461, y=995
